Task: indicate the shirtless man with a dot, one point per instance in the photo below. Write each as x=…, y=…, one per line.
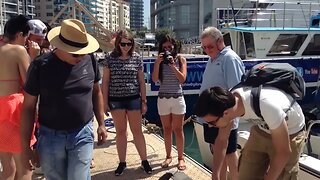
x=14, y=61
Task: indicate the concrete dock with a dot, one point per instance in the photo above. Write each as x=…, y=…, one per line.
x=106, y=160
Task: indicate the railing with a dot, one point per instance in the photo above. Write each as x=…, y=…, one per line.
x=282, y=14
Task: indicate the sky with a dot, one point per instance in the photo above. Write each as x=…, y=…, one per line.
x=146, y=13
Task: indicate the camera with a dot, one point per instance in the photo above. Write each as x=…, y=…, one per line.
x=166, y=54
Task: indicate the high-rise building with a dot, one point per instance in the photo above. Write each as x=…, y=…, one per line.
x=187, y=18
x=9, y=8
x=136, y=14
x=111, y=14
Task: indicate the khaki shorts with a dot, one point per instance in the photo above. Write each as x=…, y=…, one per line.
x=255, y=156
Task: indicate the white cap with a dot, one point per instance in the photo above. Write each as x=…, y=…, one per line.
x=37, y=27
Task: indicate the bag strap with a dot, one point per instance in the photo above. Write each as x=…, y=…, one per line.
x=255, y=98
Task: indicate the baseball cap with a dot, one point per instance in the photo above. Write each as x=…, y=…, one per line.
x=37, y=27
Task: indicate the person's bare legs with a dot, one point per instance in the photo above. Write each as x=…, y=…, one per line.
x=232, y=162
x=177, y=127
x=166, y=122
x=22, y=172
x=8, y=166
x=223, y=172
x=135, y=118
x=120, y=122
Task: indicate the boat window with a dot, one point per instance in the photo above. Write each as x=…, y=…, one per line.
x=249, y=41
x=313, y=47
x=227, y=39
x=287, y=45
x=242, y=47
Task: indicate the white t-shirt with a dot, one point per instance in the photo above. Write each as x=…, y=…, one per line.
x=274, y=105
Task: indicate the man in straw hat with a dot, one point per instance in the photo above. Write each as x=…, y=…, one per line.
x=67, y=82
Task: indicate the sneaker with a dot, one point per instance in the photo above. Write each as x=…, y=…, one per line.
x=146, y=167
x=121, y=167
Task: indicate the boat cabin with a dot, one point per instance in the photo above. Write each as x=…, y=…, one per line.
x=268, y=42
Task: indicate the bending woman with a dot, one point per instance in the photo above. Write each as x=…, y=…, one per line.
x=171, y=70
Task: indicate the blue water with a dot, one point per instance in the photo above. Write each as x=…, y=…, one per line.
x=191, y=147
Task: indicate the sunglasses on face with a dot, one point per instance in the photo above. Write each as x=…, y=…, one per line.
x=77, y=55
x=207, y=47
x=123, y=44
x=214, y=123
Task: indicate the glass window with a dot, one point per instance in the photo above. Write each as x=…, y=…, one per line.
x=185, y=14
x=287, y=45
x=227, y=39
x=249, y=42
x=313, y=47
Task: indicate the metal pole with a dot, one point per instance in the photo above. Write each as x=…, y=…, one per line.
x=233, y=14
x=284, y=15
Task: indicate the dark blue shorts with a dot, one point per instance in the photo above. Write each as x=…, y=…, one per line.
x=132, y=104
x=210, y=134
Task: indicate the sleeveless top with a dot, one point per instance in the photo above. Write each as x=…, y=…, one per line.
x=170, y=85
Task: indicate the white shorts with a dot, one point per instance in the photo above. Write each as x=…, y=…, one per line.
x=171, y=106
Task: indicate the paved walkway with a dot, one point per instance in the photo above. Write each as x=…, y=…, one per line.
x=106, y=160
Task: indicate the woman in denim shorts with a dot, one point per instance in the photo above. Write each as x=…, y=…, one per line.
x=124, y=92
x=170, y=69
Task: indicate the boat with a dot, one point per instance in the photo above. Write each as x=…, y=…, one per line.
x=256, y=41
x=298, y=46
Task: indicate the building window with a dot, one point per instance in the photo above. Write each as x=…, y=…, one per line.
x=185, y=14
x=49, y=14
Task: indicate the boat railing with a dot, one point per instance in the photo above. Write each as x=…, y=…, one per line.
x=279, y=15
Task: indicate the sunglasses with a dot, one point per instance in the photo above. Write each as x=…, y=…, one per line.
x=207, y=47
x=214, y=123
x=123, y=44
x=77, y=55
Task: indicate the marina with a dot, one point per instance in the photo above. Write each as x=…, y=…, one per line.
x=298, y=46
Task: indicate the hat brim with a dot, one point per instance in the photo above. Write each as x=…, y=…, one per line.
x=53, y=38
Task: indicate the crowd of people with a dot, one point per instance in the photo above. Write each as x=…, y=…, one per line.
x=50, y=94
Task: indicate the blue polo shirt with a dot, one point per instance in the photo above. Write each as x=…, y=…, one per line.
x=224, y=71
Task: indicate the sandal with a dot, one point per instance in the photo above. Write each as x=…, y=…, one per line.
x=166, y=162
x=181, y=164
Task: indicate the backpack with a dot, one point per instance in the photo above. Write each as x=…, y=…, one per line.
x=279, y=75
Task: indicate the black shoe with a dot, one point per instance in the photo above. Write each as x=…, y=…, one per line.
x=146, y=167
x=121, y=167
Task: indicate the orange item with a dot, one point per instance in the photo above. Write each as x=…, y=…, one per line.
x=10, y=110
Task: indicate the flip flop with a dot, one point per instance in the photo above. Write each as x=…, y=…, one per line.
x=166, y=162
x=181, y=167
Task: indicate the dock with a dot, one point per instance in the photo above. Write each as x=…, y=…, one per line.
x=106, y=160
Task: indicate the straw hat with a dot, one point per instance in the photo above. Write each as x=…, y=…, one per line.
x=72, y=37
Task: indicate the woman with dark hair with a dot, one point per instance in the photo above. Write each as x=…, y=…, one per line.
x=170, y=69
x=124, y=93
x=14, y=61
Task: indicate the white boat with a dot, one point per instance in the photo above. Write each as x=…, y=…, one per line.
x=299, y=46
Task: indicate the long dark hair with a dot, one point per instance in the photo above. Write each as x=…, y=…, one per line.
x=174, y=51
x=122, y=34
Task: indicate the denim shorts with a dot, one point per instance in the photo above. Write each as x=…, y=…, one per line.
x=132, y=104
x=211, y=133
